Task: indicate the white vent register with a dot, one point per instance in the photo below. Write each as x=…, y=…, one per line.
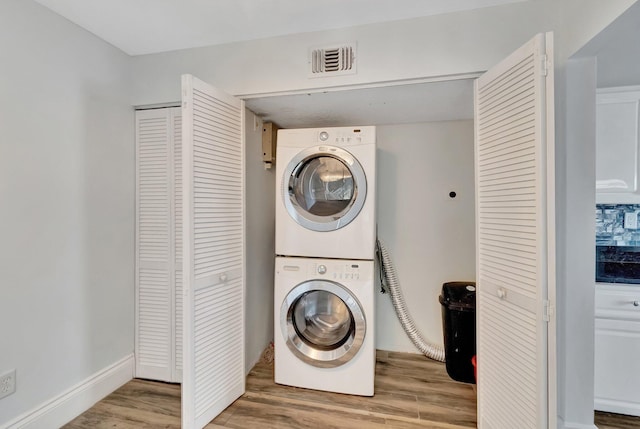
x=332, y=60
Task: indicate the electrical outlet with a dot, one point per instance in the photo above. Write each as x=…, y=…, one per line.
x=631, y=220
x=7, y=383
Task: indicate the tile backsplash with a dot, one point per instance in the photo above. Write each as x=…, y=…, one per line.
x=617, y=225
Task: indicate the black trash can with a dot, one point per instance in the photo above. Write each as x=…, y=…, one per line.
x=458, y=301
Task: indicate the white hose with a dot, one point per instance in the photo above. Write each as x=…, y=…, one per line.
x=430, y=350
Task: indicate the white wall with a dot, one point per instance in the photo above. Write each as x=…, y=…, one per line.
x=430, y=236
x=432, y=46
x=67, y=161
x=617, y=51
x=451, y=44
x=576, y=197
x=579, y=21
x=260, y=245
x=577, y=297
x=66, y=204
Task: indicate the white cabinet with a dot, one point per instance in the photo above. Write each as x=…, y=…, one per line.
x=617, y=150
x=617, y=349
x=158, y=334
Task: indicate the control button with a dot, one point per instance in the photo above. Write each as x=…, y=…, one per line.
x=324, y=136
x=322, y=269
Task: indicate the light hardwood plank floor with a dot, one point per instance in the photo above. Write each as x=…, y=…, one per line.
x=616, y=421
x=410, y=392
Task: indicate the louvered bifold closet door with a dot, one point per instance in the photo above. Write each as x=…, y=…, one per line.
x=513, y=218
x=213, y=251
x=154, y=254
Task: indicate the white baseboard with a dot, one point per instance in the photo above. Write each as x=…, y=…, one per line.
x=572, y=425
x=618, y=407
x=77, y=399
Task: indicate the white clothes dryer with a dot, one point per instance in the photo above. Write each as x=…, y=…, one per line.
x=324, y=324
x=326, y=192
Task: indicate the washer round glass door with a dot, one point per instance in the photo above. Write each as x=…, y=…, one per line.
x=326, y=188
x=323, y=323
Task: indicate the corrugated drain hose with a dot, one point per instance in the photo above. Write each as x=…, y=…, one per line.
x=389, y=278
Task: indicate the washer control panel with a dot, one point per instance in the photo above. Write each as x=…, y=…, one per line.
x=302, y=269
x=347, y=272
x=339, y=270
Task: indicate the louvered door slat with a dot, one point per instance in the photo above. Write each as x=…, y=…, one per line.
x=213, y=251
x=512, y=228
x=153, y=247
x=177, y=238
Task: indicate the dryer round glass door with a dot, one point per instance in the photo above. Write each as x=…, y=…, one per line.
x=323, y=323
x=326, y=190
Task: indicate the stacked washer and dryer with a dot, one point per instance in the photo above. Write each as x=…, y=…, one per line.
x=325, y=246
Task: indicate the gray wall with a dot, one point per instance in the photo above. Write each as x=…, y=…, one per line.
x=610, y=58
x=260, y=244
x=67, y=167
x=430, y=236
x=441, y=45
x=576, y=236
x=436, y=46
x=66, y=211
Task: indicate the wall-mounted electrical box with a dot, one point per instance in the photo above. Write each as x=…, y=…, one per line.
x=269, y=138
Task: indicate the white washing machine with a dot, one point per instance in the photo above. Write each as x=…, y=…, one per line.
x=325, y=191
x=324, y=324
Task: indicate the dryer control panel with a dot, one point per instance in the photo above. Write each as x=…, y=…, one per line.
x=332, y=136
x=345, y=136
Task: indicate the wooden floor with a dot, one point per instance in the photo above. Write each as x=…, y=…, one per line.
x=411, y=392
x=616, y=421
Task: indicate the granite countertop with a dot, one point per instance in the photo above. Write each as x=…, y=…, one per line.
x=618, y=264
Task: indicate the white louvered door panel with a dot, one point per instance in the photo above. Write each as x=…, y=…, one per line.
x=154, y=270
x=176, y=121
x=213, y=251
x=514, y=182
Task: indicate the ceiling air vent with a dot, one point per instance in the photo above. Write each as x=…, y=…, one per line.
x=333, y=60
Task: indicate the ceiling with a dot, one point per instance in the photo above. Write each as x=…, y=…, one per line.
x=149, y=26
x=400, y=104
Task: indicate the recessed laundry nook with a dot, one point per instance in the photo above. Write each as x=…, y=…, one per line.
x=228, y=215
